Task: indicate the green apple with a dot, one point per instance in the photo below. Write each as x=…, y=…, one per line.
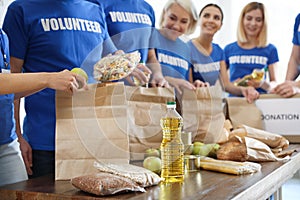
x=196, y=147
x=153, y=164
x=152, y=152
x=80, y=72
x=213, y=151
x=204, y=150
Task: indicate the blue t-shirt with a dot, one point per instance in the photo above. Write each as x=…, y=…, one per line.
x=7, y=121
x=206, y=68
x=243, y=61
x=52, y=36
x=296, y=38
x=173, y=56
x=129, y=24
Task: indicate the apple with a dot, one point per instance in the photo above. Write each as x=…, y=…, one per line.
x=213, y=151
x=204, y=150
x=196, y=147
x=80, y=72
x=152, y=152
x=153, y=164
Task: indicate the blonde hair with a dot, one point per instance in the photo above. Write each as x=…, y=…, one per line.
x=189, y=7
x=262, y=36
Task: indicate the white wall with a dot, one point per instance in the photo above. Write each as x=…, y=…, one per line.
x=281, y=18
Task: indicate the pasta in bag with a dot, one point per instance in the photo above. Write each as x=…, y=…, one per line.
x=115, y=67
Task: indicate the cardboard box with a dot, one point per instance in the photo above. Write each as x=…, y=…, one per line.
x=281, y=115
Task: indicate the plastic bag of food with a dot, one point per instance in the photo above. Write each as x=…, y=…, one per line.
x=140, y=175
x=105, y=184
x=115, y=67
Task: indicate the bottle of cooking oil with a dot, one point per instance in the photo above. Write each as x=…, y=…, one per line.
x=172, y=147
x=256, y=75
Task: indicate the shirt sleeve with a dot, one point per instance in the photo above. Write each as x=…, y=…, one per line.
x=296, y=37
x=14, y=20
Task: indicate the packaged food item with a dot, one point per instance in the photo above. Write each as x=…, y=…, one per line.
x=256, y=75
x=229, y=167
x=140, y=175
x=115, y=67
x=172, y=148
x=105, y=184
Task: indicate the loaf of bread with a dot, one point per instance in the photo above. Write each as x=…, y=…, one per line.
x=233, y=150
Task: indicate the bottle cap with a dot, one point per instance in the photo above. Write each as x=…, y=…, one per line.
x=171, y=104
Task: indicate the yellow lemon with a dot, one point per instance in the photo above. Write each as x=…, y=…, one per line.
x=80, y=72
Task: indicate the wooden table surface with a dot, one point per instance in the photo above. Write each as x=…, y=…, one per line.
x=204, y=185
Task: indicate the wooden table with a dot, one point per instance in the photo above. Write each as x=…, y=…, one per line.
x=204, y=185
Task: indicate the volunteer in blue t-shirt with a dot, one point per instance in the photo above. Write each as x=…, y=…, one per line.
x=12, y=166
x=52, y=36
x=251, y=50
x=291, y=87
x=178, y=18
x=208, y=58
x=130, y=23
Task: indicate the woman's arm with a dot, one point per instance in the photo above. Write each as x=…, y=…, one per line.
x=293, y=64
x=28, y=83
x=248, y=92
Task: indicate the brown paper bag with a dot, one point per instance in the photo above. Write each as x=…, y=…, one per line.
x=90, y=125
x=274, y=141
x=243, y=148
x=203, y=115
x=146, y=106
x=239, y=111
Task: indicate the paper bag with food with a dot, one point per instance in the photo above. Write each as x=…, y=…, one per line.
x=239, y=111
x=250, y=144
x=90, y=125
x=146, y=106
x=203, y=114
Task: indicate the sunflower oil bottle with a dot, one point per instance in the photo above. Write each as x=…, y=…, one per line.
x=172, y=148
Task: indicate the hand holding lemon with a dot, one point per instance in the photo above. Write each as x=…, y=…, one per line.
x=82, y=74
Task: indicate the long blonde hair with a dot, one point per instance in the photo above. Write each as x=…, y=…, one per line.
x=262, y=36
x=189, y=7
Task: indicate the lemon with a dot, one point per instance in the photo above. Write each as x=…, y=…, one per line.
x=80, y=72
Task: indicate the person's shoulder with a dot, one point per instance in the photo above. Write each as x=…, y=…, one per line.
x=20, y=3
x=190, y=42
x=217, y=47
x=145, y=3
x=231, y=45
x=271, y=46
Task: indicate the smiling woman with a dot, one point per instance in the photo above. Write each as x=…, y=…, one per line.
x=280, y=17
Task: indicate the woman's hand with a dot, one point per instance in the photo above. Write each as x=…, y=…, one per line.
x=198, y=83
x=66, y=81
x=26, y=154
x=158, y=80
x=179, y=84
x=141, y=73
x=250, y=93
x=286, y=89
